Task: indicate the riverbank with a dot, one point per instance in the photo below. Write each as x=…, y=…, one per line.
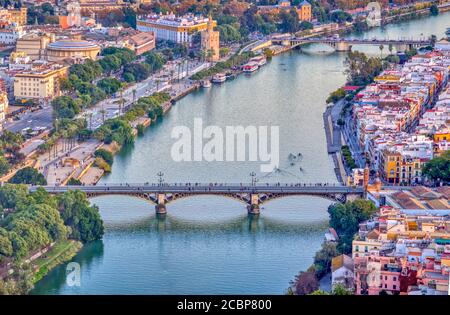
x=334, y=139
x=41, y=262
x=61, y=252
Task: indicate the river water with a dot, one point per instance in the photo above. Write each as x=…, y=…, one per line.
x=208, y=245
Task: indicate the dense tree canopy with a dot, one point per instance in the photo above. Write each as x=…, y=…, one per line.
x=345, y=219
x=438, y=169
x=83, y=219
x=35, y=220
x=360, y=69
x=28, y=175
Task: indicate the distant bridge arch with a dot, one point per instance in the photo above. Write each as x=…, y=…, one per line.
x=346, y=44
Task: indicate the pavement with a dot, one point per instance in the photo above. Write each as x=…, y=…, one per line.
x=38, y=119
x=56, y=171
x=349, y=136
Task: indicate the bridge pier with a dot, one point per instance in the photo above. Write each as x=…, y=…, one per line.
x=253, y=207
x=160, y=207
x=401, y=47
x=341, y=46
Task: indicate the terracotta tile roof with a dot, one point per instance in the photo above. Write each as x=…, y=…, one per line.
x=406, y=201
x=340, y=261
x=444, y=190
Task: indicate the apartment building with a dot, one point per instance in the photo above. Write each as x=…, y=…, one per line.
x=179, y=29
x=41, y=82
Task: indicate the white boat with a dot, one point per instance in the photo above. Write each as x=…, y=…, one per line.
x=219, y=78
x=206, y=83
x=260, y=60
x=250, y=67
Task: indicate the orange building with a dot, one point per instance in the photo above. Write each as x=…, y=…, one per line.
x=304, y=11
x=143, y=42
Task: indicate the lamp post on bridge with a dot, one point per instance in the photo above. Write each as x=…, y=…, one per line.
x=253, y=175
x=160, y=178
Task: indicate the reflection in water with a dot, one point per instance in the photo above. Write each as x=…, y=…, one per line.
x=225, y=253
x=243, y=224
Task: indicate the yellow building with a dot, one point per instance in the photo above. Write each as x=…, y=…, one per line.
x=40, y=82
x=441, y=136
x=397, y=169
x=34, y=45
x=304, y=11
x=210, y=41
x=65, y=49
x=17, y=16
x=100, y=6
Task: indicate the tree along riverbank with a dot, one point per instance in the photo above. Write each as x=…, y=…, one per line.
x=39, y=231
x=344, y=219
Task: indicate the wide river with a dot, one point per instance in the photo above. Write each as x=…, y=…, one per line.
x=208, y=245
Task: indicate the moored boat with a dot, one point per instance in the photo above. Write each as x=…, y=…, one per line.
x=259, y=60
x=206, y=83
x=219, y=78
x=250, y=67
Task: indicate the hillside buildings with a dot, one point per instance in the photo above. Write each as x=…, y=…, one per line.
x=395, y=123
x=398, y=253
x=304, y=9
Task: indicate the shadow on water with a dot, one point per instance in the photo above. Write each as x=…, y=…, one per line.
x=91, y=253
x=243, y=224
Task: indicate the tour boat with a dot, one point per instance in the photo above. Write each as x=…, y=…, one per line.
x=260, y=60
x=206, y=83
x=219, y=78
x=250, y=67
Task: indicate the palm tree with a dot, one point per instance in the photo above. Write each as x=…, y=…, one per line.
x=391, y=48
x=381, y=51
x=134, y=95
x=210, y=53
x=103, y=112
x=90, y=120
x=202, y=55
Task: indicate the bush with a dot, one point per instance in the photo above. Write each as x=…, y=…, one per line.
x=100, y=163
x=74, y=182
x=140, y=129
x=105, y=155
x=336, y=96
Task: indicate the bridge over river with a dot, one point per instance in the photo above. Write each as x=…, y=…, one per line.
x=345, y=44
x=253, y=195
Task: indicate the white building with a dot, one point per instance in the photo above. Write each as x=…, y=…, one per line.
x=9, y=34
x=342, y=271
x=172, y=28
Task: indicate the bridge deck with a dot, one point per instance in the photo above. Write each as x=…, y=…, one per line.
x=206, y=188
